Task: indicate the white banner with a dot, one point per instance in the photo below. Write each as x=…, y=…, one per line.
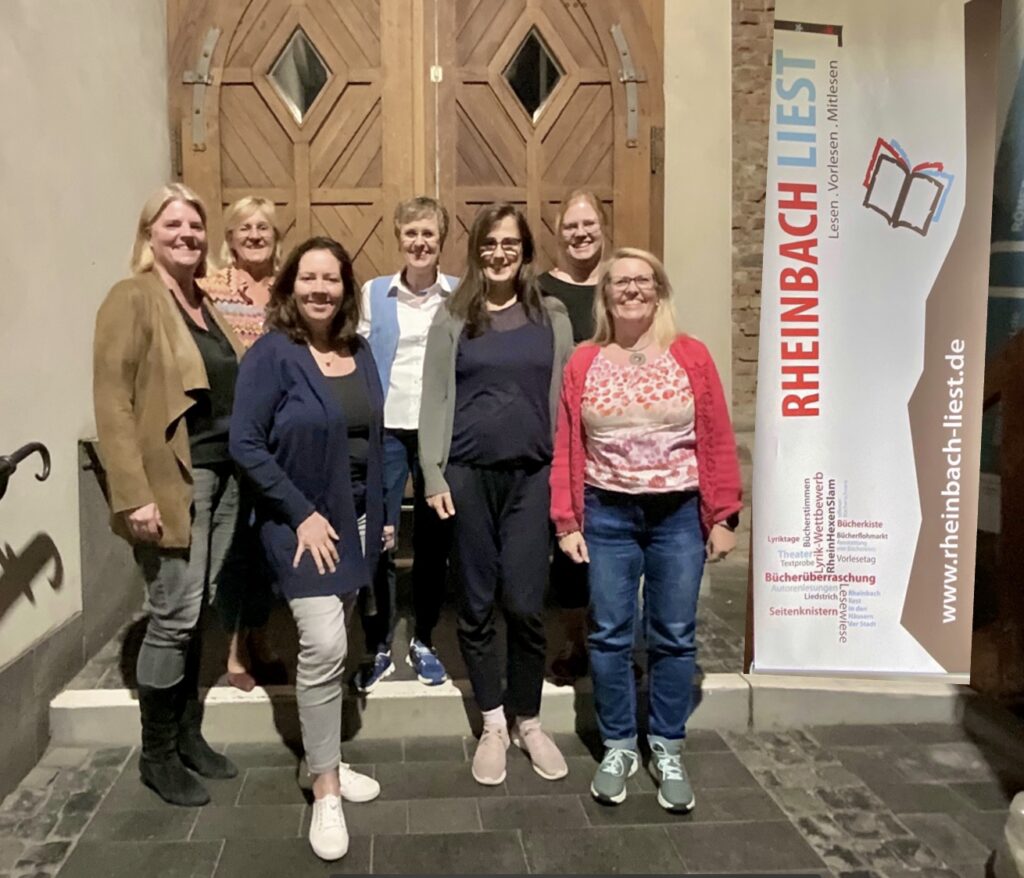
x=871, y=347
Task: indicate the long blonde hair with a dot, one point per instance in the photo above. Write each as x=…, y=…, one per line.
x=240, y=211
x=142, y=251
x=665, y=327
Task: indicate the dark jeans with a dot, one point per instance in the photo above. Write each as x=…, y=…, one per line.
x=656, y=536
x=177, y=580
x=431, y=543
x=502, y=539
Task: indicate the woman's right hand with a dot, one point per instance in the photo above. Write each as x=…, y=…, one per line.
x=318, y=538
x=145, y=524
x=574, y=546
x=442, y=504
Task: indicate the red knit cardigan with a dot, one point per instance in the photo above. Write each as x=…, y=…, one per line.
x=721, y=490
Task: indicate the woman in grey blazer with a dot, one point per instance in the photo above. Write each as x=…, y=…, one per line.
x=492, y=376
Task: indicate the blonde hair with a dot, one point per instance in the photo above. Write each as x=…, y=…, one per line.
x=665, y=327
x=590, y=198
x=142, y=251
x=421, y=207
x=242, y=210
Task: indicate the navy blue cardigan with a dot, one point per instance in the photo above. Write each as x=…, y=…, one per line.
x=289, y=436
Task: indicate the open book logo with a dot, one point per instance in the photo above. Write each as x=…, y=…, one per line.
x=908, y=196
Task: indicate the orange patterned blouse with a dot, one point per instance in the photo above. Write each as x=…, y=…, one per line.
x=228, y=289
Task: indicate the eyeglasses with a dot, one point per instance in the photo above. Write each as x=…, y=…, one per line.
x=644, y=283
x=508, y=245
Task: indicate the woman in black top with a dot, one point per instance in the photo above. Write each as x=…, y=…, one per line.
x=492, y=373
x=581, y=225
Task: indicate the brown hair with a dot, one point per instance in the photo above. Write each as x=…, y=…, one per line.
x=142, y=250
x=282, y=312
x=421, y=207
x=469, y=301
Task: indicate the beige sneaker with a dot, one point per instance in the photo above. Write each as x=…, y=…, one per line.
x=489, y=759
x=544, y=754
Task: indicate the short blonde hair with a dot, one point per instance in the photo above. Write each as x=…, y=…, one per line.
x=418, y=208
x=142, y=251
x=665, y=327
x=238, y=213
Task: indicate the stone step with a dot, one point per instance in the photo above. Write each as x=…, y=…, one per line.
x=397, y=709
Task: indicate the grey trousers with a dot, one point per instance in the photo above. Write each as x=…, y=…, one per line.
x=323, y=646
x=177, y=580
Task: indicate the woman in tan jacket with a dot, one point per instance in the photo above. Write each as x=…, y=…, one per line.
x=164, y=370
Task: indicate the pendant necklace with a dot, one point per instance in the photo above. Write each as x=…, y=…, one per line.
x=637, y=357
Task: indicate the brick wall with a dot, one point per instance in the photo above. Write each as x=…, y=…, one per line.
x=751, y=59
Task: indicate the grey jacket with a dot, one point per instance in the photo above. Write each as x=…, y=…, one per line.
x=437, y=408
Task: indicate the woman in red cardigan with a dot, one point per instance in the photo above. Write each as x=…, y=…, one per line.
x=645, y=482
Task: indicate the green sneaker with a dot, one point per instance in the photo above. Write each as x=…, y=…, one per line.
x=674, y=791
x=609, y=783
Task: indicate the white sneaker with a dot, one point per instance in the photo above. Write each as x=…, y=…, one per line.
x=328, y=835
x=356, y=787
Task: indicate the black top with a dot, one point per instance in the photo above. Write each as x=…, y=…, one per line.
x=502, y=385
x=578, y=300
x=209, y=419
x=350, y=393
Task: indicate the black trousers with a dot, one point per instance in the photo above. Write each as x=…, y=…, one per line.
x=500, y=557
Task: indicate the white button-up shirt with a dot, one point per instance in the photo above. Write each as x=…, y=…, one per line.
x=415, y=314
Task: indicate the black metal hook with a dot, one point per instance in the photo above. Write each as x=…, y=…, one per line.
x=9, y=463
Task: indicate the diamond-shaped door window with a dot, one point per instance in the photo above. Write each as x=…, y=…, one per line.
x=533, y=73
x=299, y=74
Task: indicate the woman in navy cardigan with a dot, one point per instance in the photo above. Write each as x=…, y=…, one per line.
x=307, y=429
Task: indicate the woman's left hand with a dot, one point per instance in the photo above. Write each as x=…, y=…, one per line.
x=387, y=537
x=721, y=542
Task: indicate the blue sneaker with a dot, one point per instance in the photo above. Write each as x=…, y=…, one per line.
x=424, y=661
x=369, y=676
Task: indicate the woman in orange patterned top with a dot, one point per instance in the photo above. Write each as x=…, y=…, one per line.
x=251, y=256
x=241, y=289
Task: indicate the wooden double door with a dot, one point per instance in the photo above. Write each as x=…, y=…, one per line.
x=337, y=109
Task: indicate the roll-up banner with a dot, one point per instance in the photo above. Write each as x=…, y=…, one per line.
x=872, y=346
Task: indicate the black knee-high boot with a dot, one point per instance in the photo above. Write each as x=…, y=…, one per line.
x=160, y=766
x=195, y=752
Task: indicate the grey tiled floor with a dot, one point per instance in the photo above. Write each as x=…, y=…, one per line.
x=886, y=801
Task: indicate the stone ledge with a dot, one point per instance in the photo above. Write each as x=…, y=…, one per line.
x=399, y=709
x=781, y=701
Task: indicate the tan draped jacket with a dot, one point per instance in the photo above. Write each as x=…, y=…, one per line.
x=145, y=363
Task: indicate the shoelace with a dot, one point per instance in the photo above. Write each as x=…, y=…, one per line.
x=329, y=814
x=670, y=766
x=614, y=762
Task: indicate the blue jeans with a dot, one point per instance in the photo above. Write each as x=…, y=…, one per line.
x=656, y=536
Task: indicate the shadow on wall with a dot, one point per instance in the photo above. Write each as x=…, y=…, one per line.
x=20, y=569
